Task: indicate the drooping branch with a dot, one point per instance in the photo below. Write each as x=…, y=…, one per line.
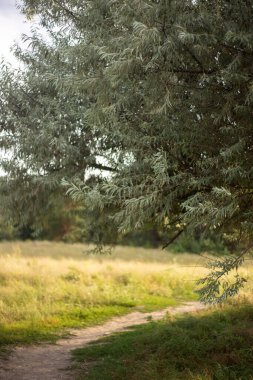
x=66, y=10
x=173, y=238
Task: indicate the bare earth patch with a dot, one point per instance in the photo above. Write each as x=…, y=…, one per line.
x=52, y=362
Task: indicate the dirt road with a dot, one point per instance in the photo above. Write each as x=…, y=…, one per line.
x=52, y=361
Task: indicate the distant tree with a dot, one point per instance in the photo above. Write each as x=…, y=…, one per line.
x=166, y=92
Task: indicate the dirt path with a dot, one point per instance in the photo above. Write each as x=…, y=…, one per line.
x=51, y=362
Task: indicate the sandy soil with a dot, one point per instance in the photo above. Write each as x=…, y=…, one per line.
x=53, y=361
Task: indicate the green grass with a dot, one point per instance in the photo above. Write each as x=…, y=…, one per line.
x=210, y=345
x=31, y=331
x=46, y=288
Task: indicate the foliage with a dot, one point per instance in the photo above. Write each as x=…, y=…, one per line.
x=157, y=94
x=216, y=286
x=198, y=244
x=53, y=217
x=7, y=231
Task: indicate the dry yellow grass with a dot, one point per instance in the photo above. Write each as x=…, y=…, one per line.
x=46, y=287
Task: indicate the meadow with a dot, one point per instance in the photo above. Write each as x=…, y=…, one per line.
x=49, y=287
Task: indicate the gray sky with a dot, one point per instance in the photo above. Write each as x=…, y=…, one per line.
x=12, y=25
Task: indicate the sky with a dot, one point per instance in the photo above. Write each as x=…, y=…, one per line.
x=12, y=25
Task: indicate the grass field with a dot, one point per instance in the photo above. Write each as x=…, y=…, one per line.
x=48, y=287
x=209, y=345
x=215, y=344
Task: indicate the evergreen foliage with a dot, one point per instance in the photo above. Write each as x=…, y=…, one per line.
x=157, y=93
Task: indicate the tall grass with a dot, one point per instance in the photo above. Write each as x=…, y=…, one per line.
x=47, y=287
